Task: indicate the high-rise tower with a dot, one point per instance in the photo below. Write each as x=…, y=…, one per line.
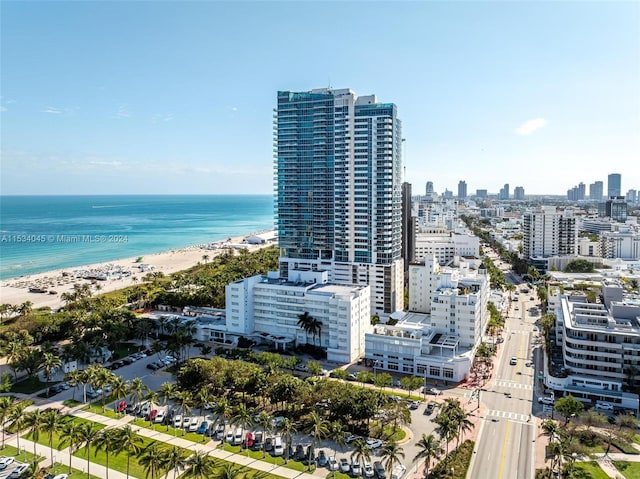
x=614, y=185
x=338, y=177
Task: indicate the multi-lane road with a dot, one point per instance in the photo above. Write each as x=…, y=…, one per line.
x=505, y=447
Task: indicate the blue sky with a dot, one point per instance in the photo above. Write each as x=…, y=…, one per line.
x=177, y=97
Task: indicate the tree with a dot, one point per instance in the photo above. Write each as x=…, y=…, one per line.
x=119, y=388
x=336, y=434
x=200, y=465
x=228, y=471
x=579, y=266
x=223, y=411
x=568, y=406
x=319, y=428
x=50, y=362
x=314, y=368
x=361, y=452
x=305, y=321
x=152, y=461
x=287, y=428
x=173, y=459
x=429, y=448
x=137, y=390
x=547, y=321
x=105, y=441
x=242, y=418
x=264, y=421
x=71, y=437
x=17, y=421
x=50, y=425
x=87, y=434
x=391, y=454
x=127, y=440
x=6, y=406
x=34, y=421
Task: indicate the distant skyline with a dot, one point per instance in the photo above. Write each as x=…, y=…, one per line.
x=178, y=97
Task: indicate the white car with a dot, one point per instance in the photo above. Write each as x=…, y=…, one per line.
x=367, y=470
x=160, y=416
x=193, y=424
x=6, y=461
x=546, y=400
x=604, y=406
x=61, y=476
x=18, y=471
x=399, y=471
x=332, y=464
x=355, y=468
x=177, y=421
x=186, y=421
x=229, y=437
x=374, y=443
x=278, y=448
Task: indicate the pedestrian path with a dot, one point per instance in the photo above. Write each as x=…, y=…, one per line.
x=513, y=385
x=513, y=416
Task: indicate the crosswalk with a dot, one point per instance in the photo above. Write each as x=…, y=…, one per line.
x=519, y=331
x=513, y=416
x=514, y=385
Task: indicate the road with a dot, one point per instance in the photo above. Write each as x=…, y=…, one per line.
x=505, y=446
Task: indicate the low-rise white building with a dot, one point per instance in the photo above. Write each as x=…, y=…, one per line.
x=270, y=307
x=445, y=248
x=600, y=347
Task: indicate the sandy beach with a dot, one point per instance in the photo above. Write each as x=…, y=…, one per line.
x=116, y=274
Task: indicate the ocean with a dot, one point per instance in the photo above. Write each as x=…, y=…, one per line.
x=43, y=233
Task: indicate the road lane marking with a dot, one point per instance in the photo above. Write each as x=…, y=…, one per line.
x=504, y=450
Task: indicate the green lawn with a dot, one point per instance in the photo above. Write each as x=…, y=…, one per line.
x=43, y=438
x=71, y=402
x=243, y=472
x=591, y=470
x=279, y=461
x=59, y=468
x=24, y=456
x=119, y=462
x=96, y=408
x=30, y=385
x=338, y=475
x=630, y=470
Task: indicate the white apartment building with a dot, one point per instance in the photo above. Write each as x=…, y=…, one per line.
x=413, y=346
x=446, y=247
x=600, y=342
x=620, y=244
x=439, y=337
x=269, y=307
x=549, y=233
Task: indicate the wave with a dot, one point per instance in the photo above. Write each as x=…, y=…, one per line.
x=108, y=206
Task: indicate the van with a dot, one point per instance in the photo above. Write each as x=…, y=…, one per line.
x=278, y=449
x=604, y=406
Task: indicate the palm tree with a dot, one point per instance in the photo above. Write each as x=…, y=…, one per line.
x=87, y=434
x=391, y=454
x=264, y=421
x=242, y=418
x=50, y=425
x=223, y=411
x=152, y=398
x=229, y=471
x=184, y=400
x=287, y=428
x=6, y=406
x=75, y=379
x=447, y=428
x=200, y=465
x=360, y=451
x=167, y=391
x=315, y=328
x=137, y=390
x=319, y=428
x=204, y=396
x=34, y=421
x=17, y=421
x=429, y=448
x=173, y=459
x=304, y=322
x=152, y=461
x=127, y=440
x=50, y=362
x=336, y=434
x=119, y=388
x=71, y=436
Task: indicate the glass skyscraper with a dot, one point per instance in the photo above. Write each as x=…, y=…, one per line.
x=614, y=186
x=338, y=180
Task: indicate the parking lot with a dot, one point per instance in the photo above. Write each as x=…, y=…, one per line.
x=11, y=468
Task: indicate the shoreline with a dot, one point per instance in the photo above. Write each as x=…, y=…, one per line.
x=114, y=275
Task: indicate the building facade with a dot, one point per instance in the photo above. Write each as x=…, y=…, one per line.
x=338, y=178
x=548, y=233
x=462, y=190
x=614, y=185
x=596, y=190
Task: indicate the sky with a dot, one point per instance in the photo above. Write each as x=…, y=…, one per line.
x=163, y=97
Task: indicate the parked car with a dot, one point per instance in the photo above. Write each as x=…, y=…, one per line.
x=193, y=424
x=6, y=461
x=204, y=427
x=349, y=438
x=19, y=471
x=299, y=454
x=122, y=406
x=268, y=444
x=229, y=436
x=219, y=432
x=152, y=366
x=257, y=442
x=367, y=470
x=374, y=443
x=61, y=476
x=430, y=407
x=414, y=404
x=398, y=471
x=309, y=456
x=248, y=441
x=278, y=448
x=356, y=469
x=177, y=421
x=152, y=415
x=237, y=437
x=322, y=458
x=332, y=464
x=604, y=406
x=434, y=391
x=344, y=465
x=546, y=400
x=379, y=468
x=160, y=416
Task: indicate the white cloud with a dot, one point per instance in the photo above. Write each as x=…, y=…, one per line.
x=123, y=112
x=529, y=126
x=52, y=110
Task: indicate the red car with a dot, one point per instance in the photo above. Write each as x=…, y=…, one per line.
x=248, y=442
x=152, y=415
x=122, y=405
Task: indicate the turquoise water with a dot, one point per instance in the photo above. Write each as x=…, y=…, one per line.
x=42, y=233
